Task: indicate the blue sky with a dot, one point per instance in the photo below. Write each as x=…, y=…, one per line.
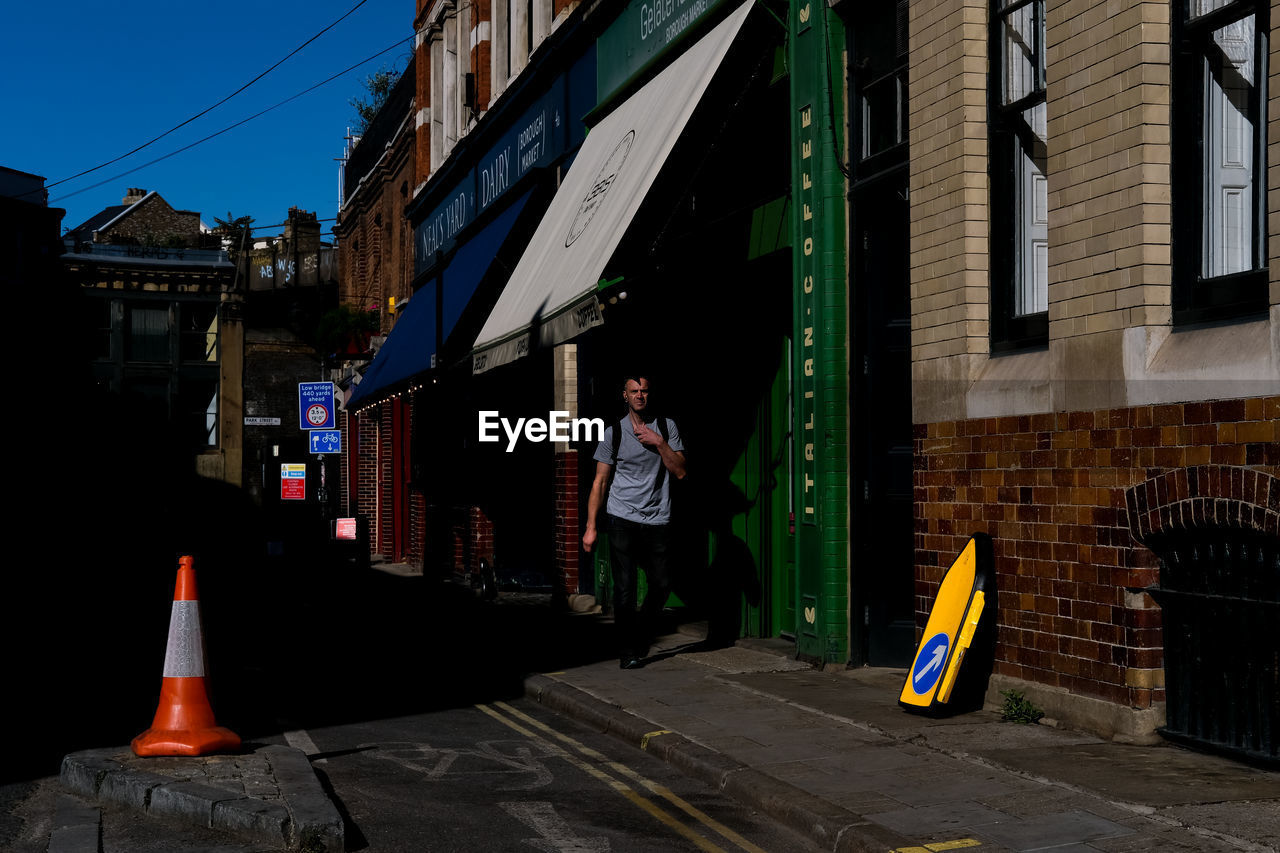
x=86, y=82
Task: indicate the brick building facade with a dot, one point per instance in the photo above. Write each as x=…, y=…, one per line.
x=168, y=328
x=1057, y=426
x=375, y=257
x=375, y=274
x=143, y=219
x=466, y=56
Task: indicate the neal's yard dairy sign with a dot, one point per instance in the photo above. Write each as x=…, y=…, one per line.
x=643, y=30
x=536, y=139
x=443, y=224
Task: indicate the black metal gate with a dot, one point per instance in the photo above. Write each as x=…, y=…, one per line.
x=1220, y=595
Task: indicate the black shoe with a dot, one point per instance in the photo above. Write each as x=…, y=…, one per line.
x=630, y=663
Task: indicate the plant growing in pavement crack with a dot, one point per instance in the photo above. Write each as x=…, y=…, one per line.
x=1018, y=708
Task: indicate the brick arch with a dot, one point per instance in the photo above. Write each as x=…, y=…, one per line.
x=1220, y=496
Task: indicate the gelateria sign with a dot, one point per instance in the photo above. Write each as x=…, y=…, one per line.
x=644, y=30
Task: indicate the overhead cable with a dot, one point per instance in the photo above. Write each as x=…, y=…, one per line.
x=213, y=107
x=178, y=151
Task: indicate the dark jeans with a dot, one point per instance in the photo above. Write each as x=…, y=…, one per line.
x=645, y=546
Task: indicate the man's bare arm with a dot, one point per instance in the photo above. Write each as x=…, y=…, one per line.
x=674, y=460
x=599, y=486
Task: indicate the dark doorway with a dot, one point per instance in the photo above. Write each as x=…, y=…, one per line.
x=883, y=557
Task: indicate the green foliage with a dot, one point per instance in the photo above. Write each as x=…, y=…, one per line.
x=378, y=86
x=1018, y=708
x=236, y=230
x=344, y=326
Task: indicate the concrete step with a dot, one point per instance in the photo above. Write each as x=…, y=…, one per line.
x=77, y=826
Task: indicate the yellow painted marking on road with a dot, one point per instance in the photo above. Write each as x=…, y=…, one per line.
x=644, y=741
x=618, y=785
x=938, y=846
x=661, y=790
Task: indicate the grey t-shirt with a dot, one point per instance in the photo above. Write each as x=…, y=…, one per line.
x=635, y=494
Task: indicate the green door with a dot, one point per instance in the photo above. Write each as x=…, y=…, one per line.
x=762, y=475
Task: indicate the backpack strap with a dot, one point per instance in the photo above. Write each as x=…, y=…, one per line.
x=663, y=429
x=662, y=468
x=617, y=441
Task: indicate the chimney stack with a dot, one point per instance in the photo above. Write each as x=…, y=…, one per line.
x=134, y=195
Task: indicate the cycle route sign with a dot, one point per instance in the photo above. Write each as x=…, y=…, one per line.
x=315, y=405
x=326, y=441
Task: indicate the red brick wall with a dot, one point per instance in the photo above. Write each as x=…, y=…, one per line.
x=471, y=529
x=375, y=240
x=1050, y=489
x=386, y=511
x=1204, y=496
x=482, y=533
x=367, y=488
x=422, y=96
x=417, y=501
x=349, y=490
x=481, y=53
x=568, y=541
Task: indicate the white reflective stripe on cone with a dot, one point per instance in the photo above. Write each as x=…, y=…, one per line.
x=184, y=655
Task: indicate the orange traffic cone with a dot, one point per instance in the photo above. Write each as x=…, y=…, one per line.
x=184, y=723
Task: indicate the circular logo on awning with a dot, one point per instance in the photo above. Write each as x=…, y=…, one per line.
x=600, y=187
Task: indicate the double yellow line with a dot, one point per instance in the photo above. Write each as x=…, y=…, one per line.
x=621, y=778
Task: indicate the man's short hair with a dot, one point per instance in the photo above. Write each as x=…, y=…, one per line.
x=635, y=377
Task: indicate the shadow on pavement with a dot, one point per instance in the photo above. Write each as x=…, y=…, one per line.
x=301, y=640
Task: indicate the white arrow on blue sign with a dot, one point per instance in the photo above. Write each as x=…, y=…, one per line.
x=928, y=668
x=326, y=441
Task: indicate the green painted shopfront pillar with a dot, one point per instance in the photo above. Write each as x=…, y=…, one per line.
x=819, y=354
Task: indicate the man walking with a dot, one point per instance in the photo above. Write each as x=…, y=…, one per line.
x=640, y=454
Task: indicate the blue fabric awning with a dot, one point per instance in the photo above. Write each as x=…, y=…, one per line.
x=407, y=350
x=431, y=316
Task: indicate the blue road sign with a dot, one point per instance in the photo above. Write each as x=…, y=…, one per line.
x=326, y=441
x=930, y=663
x=315, y=405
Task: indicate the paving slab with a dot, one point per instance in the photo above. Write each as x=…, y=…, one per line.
x=841, y=750
x=947, y=817
x=1149, y=775
x=77, y=827
x=1054, y=831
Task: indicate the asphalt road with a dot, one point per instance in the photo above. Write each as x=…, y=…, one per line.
x=496, y=776
x=513, y=776
x=408, y=691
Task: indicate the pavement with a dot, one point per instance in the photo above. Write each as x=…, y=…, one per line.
x=831, y=755
x=825, y=752
x=266, y=796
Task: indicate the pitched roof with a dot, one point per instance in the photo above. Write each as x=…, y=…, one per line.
x=83, y=233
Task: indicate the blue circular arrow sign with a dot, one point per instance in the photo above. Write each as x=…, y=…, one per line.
x=930, y=663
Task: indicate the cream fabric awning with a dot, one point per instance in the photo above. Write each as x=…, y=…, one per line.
x=552, y=291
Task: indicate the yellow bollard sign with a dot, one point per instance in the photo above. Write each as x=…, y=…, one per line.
x=957, y=610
